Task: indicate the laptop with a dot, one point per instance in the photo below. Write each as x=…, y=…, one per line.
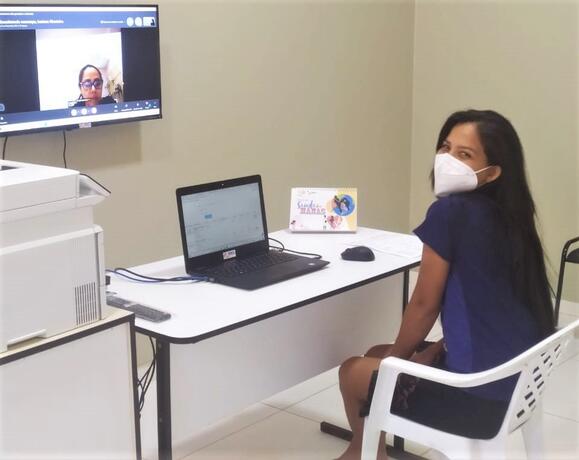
x=224, y=236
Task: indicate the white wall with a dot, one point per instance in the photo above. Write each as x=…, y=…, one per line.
x=333, y=93
x=304, y=93
x=312, y=93
x=519, y=58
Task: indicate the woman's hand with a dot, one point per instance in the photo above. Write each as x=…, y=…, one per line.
x=430, y=355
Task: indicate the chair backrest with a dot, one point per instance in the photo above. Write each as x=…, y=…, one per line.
x=537, y=364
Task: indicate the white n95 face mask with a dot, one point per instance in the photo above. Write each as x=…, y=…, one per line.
x=453, y=176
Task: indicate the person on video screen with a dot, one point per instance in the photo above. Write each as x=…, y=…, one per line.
x=90, y=83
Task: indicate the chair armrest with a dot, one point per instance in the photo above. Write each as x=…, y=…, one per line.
x=391, y=367
x=394, y=366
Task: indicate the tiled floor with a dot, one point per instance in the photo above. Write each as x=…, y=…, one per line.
x=286, y=426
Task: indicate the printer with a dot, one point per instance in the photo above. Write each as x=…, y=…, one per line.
x=51, y=253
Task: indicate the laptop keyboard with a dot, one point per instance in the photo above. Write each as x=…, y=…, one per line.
x=250, y=264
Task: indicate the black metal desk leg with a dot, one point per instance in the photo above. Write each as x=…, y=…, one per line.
x=164, y=401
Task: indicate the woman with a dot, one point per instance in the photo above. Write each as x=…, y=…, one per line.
x=482, y=269
x=90, y=83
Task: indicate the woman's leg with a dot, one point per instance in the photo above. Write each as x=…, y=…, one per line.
x=355, y=374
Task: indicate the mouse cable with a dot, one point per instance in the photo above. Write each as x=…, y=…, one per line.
x=4, y=147
x=131, y=275
x=282, y=248
x=145, y=381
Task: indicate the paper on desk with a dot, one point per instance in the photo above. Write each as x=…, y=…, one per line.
x=392, y=243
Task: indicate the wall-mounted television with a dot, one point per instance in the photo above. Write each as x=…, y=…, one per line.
x=70, y=66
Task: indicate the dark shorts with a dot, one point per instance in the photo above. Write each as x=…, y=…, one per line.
x=443, y=407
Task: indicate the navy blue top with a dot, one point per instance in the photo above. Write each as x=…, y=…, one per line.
x=483, y=322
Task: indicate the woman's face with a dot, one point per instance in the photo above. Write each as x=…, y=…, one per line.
x=463, y=143
x=91, y=86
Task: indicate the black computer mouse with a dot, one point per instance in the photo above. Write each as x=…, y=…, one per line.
x=358, y=253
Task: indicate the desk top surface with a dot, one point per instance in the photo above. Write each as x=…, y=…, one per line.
x=202, y=310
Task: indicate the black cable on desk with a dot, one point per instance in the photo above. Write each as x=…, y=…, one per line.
x=133, y=276
x=284, y=249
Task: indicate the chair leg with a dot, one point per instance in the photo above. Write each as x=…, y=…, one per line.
x=370, y=441
x=533, y=435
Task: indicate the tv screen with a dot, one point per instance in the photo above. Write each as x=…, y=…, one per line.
x=65, y=67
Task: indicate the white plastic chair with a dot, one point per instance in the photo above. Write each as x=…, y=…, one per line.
x=524, y=410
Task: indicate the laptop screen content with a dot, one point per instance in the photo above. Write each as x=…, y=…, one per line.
x=223, y=219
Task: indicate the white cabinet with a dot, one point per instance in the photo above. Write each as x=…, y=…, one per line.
x=72, y=396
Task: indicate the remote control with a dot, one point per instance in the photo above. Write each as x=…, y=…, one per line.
x=141, y=311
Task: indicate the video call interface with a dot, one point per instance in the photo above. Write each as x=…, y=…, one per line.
x=73, y=65
x=222, y=219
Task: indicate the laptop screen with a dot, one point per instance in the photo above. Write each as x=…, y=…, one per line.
x=222, y=219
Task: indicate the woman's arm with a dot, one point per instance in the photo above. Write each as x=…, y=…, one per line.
x=424, y=306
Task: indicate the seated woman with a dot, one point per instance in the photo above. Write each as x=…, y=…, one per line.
x=90, y=83
x=482, y=269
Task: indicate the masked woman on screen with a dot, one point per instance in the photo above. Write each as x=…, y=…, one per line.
x=90, y=83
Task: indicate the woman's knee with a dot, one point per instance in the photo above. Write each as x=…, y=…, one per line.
x=378, y=351
x=355, y=374
x=346, y=367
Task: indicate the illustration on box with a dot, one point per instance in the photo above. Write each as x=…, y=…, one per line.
x=323, y=209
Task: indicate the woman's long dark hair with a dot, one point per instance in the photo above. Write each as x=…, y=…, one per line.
x=511, y=193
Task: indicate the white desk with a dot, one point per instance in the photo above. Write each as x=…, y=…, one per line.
x=73, y=395
x=252, y=344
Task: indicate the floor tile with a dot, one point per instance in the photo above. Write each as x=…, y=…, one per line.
x=561, y=395
x=207, y=436
x=561, y=437
x=280, y=437
x=225, y=428
x=327, y=406
x=303, y=390
x=561, y=441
